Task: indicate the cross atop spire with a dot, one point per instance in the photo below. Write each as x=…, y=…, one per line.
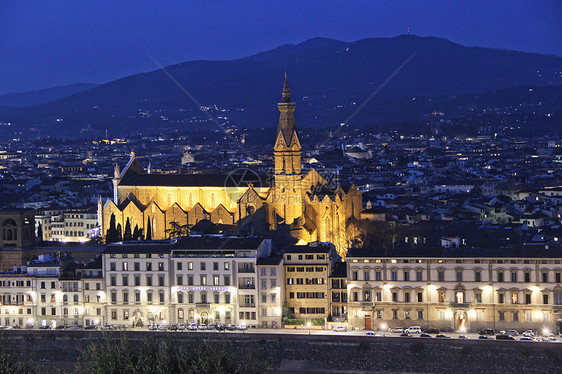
x=286, y=91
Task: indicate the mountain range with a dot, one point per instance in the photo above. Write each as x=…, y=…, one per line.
x=329, y=80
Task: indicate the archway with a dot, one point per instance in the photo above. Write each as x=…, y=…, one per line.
x=138, y=320
x=461, y=321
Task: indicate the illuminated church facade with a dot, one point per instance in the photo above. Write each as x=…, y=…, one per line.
x=300, y=205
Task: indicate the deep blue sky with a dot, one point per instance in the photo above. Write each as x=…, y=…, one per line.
x=51, y=43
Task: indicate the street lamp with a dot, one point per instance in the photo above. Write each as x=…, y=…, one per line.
x=383, y=327
x=308, y=324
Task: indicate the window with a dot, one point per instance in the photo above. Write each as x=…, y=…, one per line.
x=273, y=298
x=216, y=281
x=501, y=298
x=406, y=275
x=137, y=280
x=273, y=283
x=149, y=297
x=112, y=266
x=113, y=314
x=137, y=266
x=478, y=276
x=354, y=275
x=137, y=297
x=149, y=280
x=420, y=297
x=366, y=274
x=394, y=275
x=149, y=266
x=500, y=276
x=378, y=295
x=515, y=316
x=395, y=314
x=190, y=280
x=203, y=266
x=407, y=314
x=113, y=297
x=514, y=277
x=263, y=272
x=441, y=296
x=378, y=275
x=367, y=295
x=161, y=280
x=190, y=297
x=406, y=297
x=215, y=266
x=545, y=298
x=216, y=297
x=226, y=266
x=459, y=275
x=203, y=279
x=180, y=297
x=442, y=315
x=264, y=298
x=113, y=280
x=527, y=276
x=227, y=298
x=557, y=277
x=528, y=298
x=528, y=317
x=395, y=297
x=190, y=266
x=479, y=315
x=272, y=272
x=161, y=297
x=379, y=313
x=160, y=266
x=355, y=296
x=125, y=297
x=420, y=314
x=178, y=266
x=125, y=266
x=419, y=276
x=180, y=280
x=514, y=298
x=545, y=277
x=441, y=275
x=501, y=316
x=227, y=280
x=263, y=284
x=478, y=297
x=125, y=280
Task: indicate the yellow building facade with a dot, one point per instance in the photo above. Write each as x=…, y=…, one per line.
x=301, y=204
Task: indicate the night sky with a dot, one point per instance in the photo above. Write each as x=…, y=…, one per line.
x=52, y=43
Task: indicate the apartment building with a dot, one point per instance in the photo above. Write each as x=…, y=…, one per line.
x=202, y=280
x=271, y=288
x=456, y=289
x=307, y=268
x=338, y=292
x=70, y=225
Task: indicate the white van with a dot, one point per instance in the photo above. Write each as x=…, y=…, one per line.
x=413, y=330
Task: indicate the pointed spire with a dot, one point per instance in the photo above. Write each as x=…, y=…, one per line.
x=132, y=154
x=286, y=91
x=116, y=171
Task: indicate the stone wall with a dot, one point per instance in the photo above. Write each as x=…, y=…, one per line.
x=310, y=353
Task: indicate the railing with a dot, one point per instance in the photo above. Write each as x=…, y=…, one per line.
x=247, y=286
x=246, y=270
x=247, y=305
x=366, y=303
x=203, y=305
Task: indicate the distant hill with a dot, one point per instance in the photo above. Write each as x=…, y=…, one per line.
x=329, y=79
x=33, y=98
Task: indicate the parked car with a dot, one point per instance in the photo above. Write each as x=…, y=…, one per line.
x=231, y=327
x=404, y=334
x=431, y=331
x=487, y=332
x=211, y=327
x=202, y=327
x=413, y=330
x=551, y=339
x=527, y=339
x=242, y=327
x=60, y=327
x=462, y=337
x=192, y=327
x=44, y=327
x=220, y=327
x=504, y=337
x=442, y=336
x=90, y=327
x=424, y=335
x=162, y=327
x=109, y=327
x=529, y=334
x=483, y=337
x=397, y=330
x=372, y=333
x=340, y=329
x=181, y=326
x=513, y=332
x=173, y=327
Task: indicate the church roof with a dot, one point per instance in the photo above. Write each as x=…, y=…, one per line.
x=196, y=180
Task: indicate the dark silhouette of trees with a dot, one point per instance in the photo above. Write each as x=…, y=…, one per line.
x=127, y=235
x=112, y=235
x=176, y=230
x=149, y=229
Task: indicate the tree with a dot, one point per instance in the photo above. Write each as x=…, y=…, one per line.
x=149, y=229
x=119, y=233
x=176, y=230
x=287, y=314
x=40, y=232
x=127, y=235
x=137, y=233
x=111, y=235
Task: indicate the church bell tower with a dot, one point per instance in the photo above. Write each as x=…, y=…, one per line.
x=287, y=154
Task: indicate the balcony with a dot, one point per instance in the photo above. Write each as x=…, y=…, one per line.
x=247, y=286
x=366, y=304
x=460, y=305
x=203, y=305
x=247, y=269
x=247, y=305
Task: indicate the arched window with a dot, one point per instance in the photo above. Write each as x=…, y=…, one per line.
x=65, y=298
x=75, y=298
x=9, y=229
